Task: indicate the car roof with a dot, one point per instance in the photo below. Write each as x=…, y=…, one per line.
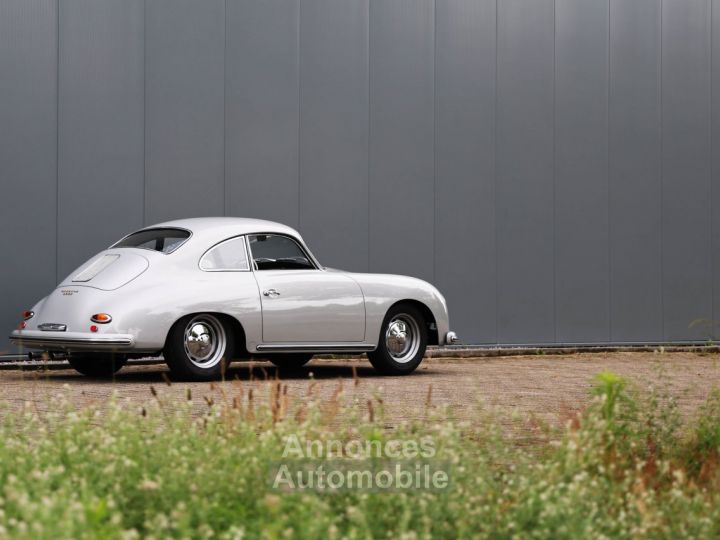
x=208, y=231
x=218, y=228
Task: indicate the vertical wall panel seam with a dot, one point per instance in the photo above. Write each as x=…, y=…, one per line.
x=224, y=137
x=712, y=191
x=369, y=121
x=367, y=163
x=57, y=142
x=662, y=181
x=608, y=175
x=554, y=174
x=435, y=123
x=495, y=176
x=145, y=119
x=299, y=108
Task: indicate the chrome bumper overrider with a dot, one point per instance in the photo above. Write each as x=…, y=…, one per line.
x=451, y=338
x=70, y=341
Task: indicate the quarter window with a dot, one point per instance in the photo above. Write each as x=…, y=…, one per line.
x=229, y=255
x=276, y=252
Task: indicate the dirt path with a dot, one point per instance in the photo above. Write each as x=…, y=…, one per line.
x=544, y=386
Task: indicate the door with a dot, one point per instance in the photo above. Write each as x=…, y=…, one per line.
x=302, y=303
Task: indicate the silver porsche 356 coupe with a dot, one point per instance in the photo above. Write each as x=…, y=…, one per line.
x=205, y=291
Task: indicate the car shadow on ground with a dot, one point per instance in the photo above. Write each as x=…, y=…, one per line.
x=243, y=371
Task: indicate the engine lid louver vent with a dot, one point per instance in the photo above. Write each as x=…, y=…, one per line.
x=95, y=268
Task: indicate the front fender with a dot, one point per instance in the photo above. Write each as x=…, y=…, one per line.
x=382, y=291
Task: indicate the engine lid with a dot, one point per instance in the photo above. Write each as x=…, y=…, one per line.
x=108, y=270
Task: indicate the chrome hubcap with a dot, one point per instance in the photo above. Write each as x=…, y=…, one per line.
x=402, y=338
x=200, y=341
x=205, y=341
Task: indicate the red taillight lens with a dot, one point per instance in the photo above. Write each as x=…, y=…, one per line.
x=101, y=318
x=93, y=328
x=22, y=325
x=27, y=314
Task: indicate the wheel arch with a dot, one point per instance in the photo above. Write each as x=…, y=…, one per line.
x=430, y=321
x=235, y=325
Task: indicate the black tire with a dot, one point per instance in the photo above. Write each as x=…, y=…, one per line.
x=394, y=355
x=290, y=361
x=97, y=364
x=199, y=347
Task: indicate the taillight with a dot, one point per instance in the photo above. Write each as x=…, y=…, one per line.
x=27, y=314
x=101, y=318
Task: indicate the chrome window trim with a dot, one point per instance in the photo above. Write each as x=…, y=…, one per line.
x=245, y=246
x=190, y=234
x=301, y=245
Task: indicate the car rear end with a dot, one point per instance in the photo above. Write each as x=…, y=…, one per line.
x=78, y=315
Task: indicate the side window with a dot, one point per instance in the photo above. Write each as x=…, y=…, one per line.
x=229, y=255
x=275, y=252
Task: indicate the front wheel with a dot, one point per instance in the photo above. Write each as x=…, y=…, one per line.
x=199, y=347
x=97, y=364
x=402, y=342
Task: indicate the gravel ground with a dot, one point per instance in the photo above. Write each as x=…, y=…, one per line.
x=542, y=387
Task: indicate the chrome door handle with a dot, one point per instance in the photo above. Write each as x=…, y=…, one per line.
x=272, y=293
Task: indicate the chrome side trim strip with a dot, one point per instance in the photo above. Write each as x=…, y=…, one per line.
x=316, y=347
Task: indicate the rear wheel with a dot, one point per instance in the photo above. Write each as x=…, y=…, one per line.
x=289, y=361
x=97, y=364
x=402, y=341
x=199, y=347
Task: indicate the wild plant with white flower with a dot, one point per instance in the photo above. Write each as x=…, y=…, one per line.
x=627, y=466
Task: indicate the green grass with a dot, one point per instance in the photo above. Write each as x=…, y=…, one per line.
x=625, y=467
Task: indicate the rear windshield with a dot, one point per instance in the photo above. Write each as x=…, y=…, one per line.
x=163, y=240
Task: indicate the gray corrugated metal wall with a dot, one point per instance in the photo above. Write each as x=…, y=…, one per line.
x=551, y=165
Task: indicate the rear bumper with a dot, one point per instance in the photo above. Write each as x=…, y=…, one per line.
x=71, y=341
